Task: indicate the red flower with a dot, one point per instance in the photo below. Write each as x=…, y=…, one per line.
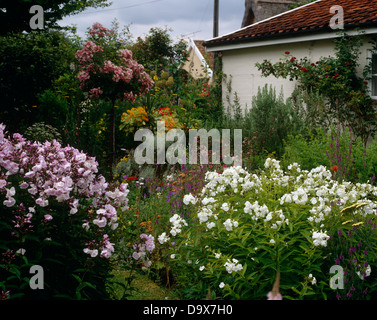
x=304, y=69
x=336, y=76
x=293, y=59
x=335, y=168
x=365, y=82
x=165, y=111
x=287, y=52
x=131, y=178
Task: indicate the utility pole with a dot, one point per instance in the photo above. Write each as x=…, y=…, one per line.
x=216, y=19
x=215, y=29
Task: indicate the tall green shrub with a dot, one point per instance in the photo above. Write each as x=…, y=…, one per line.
x=271, y=119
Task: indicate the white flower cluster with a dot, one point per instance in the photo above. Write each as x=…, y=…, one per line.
x=235, y=178
x=312, y=279
x=163, y=238
x=366, y=273
x=256, y=211
x=177, y=223
x=204, y=214
x=314, y=189
x=229, y=224
x=176, y=228
x=225, y=207
x=233, y=266
x=317, y=189
x=272, y=163
x=320, y=238
x=189, y=198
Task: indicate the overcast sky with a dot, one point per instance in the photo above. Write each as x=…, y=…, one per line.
x=193, y=18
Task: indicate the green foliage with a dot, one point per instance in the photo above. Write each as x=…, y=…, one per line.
x=264, y=125
x=16, y=16
x=57, y=248
x=53, y=108
x=272, y=119
x=251, y=225
x=352, y=247
x=29, y=63
x=158, y=52
x=307, y=149
x=354, y=162
x=42, y=132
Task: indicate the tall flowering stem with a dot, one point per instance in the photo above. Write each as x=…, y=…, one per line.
x=108, y=71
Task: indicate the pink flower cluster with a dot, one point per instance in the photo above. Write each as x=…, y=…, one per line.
x=146, y=245
x=104, y=248
x=41, y=174
x=126, y=73
x=98, y=30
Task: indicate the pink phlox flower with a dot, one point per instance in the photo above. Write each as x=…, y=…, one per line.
x=3, y=183
x=42, y=202
x=95, y=93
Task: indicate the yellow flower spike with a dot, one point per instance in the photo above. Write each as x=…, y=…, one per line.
x=348, y=221
x=357, y=224
x=34, y=106
x=354, y=206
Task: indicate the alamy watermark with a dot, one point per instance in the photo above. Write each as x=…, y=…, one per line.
x=36, y=281
x=337, y=280
x=337, y=21
x=37, y=20
x=171, y=146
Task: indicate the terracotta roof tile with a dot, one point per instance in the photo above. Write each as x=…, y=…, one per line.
x=314, y=17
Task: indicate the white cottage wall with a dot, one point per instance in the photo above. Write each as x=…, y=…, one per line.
x=239, y=66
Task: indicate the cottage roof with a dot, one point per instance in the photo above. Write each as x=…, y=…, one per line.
x=309, y=19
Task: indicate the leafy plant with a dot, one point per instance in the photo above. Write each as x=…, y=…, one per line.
x=250, y=226
x=56, y=213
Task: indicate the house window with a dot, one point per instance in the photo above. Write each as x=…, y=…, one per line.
x=373, y=82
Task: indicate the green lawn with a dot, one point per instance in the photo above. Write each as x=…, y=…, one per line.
x=143, y=288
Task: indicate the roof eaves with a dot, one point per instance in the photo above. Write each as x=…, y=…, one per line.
x=265, y=37
x=289, y=34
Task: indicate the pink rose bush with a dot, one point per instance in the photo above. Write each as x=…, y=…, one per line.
x=108, y=70
x=37, y=177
